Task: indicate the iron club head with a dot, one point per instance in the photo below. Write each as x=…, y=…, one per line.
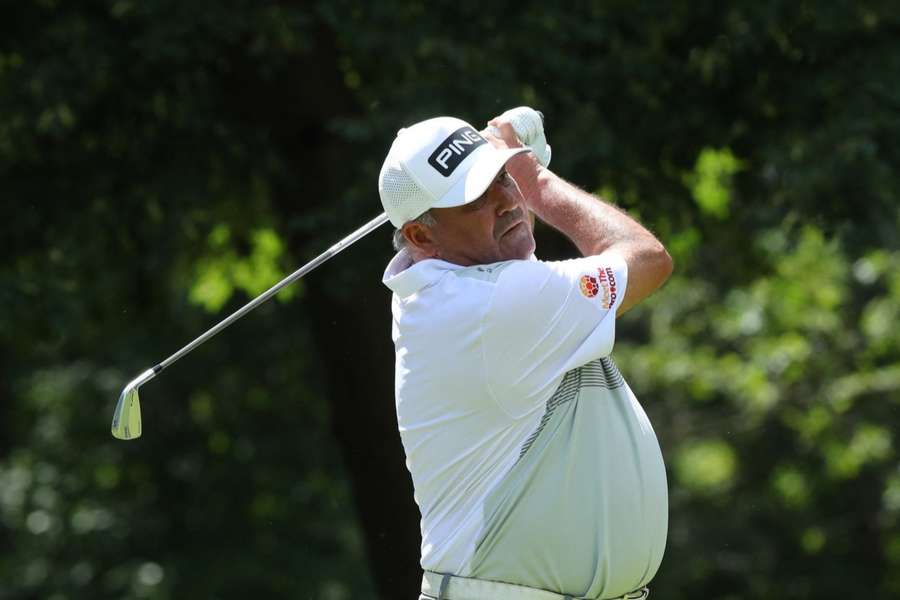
x=126, y=423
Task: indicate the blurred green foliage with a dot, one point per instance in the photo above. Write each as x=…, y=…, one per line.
x=223, y=271
x=161, y=162
x=709, y=182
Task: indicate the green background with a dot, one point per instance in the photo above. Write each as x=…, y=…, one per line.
x=161, y=162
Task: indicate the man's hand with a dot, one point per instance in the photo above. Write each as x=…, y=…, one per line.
x=528, y=125
x=524, y=168
x=507, y=138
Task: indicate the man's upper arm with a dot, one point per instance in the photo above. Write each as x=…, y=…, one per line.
x=546, y=318
x=649, y=265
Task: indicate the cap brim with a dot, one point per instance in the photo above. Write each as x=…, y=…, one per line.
x=470, y=187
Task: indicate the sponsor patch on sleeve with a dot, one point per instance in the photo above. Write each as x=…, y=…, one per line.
x=602, y=286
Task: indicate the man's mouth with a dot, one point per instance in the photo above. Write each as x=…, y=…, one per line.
x=511, y=227
x=516, y=218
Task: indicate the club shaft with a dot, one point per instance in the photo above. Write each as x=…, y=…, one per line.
x=335, y=249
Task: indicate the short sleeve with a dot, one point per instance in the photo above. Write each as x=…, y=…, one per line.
x=547, y=318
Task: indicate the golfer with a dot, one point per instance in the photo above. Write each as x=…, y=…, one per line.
x=536, y=471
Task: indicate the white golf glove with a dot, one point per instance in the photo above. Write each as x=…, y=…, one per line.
x=529, y=127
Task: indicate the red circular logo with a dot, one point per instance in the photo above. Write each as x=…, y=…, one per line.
x=589, y=286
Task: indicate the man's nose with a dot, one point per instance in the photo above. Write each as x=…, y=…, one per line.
x=505, y=199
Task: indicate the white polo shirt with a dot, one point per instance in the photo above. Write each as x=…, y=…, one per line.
x=532, y=461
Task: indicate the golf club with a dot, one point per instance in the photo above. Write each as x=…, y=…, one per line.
x=126, y=423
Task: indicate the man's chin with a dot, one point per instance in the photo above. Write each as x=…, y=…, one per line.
x=518, y=243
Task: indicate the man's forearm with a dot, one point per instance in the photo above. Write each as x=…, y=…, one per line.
x=593, y=225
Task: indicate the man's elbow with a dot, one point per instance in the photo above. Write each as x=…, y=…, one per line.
x=662, y=262
x=648, y=269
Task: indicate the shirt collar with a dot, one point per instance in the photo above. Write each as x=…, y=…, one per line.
x=405, y=278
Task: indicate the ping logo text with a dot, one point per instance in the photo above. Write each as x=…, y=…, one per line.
x=454, y=150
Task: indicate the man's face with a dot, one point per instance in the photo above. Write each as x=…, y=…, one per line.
x=494, y=228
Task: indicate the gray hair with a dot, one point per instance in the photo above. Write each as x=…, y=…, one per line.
x=426, y=218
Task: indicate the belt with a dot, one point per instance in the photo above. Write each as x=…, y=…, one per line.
x=451, y=587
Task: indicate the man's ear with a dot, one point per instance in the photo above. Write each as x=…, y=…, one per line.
x=420, y=239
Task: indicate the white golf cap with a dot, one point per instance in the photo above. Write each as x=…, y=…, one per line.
x=438, y=163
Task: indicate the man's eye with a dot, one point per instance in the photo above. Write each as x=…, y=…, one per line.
x=504, y=178
x=477, y=204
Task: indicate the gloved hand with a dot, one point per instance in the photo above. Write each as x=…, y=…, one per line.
x=529, y=127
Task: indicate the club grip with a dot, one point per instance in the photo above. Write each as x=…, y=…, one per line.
x=528, y=124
